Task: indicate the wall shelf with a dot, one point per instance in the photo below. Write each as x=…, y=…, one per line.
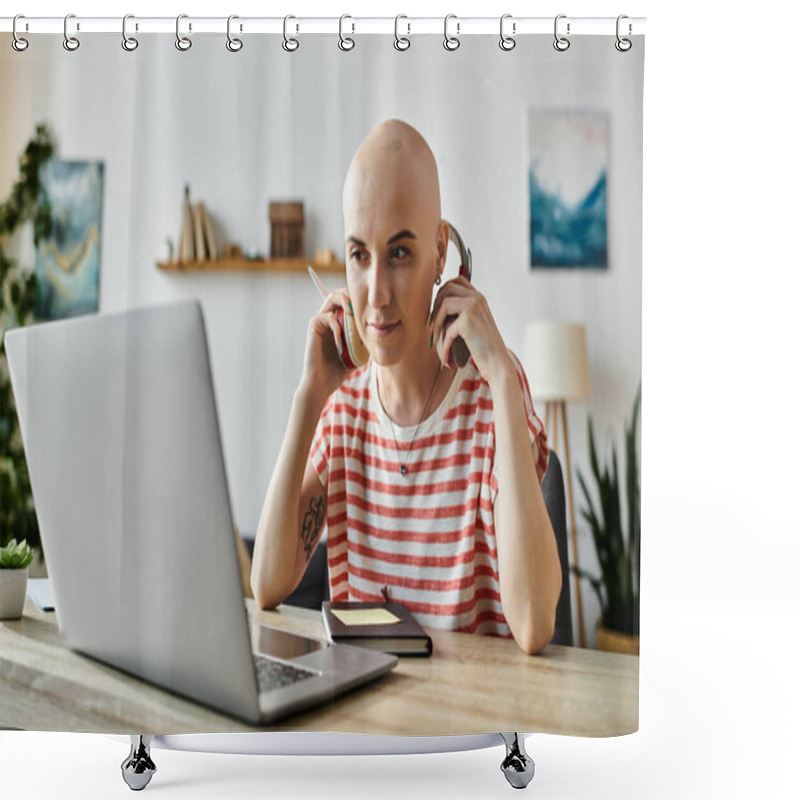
x=250, y=265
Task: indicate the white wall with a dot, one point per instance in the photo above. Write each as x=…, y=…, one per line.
x=262, y=125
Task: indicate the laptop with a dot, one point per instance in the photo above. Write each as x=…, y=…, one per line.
x=119, y=425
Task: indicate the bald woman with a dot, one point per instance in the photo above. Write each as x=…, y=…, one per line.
x=427, y=477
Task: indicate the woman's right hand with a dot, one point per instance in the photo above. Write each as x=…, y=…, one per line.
x=323, y=371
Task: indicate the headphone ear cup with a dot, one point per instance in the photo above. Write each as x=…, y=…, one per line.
x=356, y=349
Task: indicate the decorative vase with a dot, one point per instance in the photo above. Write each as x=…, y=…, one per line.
x=615, y=642
x=13, y=584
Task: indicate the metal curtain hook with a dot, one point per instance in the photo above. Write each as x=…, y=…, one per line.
x=345, y=42
x=400, y=42
x=129, y=43
x=507, y=42
x=233, y=44
x=561, y=43
x=70, y=42
x=623, y=45
x=451, y=42
x=18, y=43
x=183, y=43
x=289, y=44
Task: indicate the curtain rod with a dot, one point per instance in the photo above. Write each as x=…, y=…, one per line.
x=459, y=26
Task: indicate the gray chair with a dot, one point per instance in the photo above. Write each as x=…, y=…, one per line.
x=313, y=587
x=555, y=500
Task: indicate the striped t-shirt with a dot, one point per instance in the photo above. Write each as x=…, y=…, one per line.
x=426, y=538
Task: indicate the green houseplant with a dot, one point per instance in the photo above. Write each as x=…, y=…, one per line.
x=618, y=552
x=27, y=203
x=14, y=562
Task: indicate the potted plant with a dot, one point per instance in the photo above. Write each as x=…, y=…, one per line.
x=26, y=204
x=14, y=562
x=618, y=552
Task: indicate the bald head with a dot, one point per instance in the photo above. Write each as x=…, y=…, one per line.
x=393, y=165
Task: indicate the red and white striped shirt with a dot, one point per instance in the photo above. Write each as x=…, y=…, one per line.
x=428, y=537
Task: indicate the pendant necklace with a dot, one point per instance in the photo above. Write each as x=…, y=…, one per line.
x=403, y=467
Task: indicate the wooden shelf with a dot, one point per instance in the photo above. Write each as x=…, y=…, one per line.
x=250, y=265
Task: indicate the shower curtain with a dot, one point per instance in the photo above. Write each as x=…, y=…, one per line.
x=173, y=156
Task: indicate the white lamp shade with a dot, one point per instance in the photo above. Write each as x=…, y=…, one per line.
x=556, y=361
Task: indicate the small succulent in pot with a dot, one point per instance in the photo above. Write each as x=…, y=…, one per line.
x=14, y=561
x=15, y=556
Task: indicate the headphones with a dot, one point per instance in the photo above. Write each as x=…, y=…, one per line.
x=465, y=268
x=459, y=352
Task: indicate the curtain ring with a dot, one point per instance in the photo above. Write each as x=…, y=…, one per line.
x=507, y=42
x=561, y=43
x=233, y=44
x=623, y=45
x=345, y=42
x=289, y=44
x=129, y=43
x=400, y=42
x=18, y=43
x=70, y=42
x=451, y=42
x=183, y=43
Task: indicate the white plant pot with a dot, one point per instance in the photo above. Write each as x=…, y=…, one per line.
x=13, y=584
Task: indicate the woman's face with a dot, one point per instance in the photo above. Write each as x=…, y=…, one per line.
x=393, y=245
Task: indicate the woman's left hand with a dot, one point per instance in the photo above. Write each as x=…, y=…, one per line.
x=474, y=323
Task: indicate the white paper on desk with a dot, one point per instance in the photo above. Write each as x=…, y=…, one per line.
x=41, y=592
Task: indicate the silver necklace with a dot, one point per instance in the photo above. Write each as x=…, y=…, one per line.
x=403, y=467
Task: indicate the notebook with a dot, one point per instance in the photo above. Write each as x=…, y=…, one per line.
x=388, y=627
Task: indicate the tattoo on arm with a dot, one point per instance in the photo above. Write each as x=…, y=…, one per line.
x=312, y=524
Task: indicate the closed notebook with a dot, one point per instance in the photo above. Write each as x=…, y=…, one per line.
x=379, y=626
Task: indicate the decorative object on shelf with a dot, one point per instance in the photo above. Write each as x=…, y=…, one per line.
x=14, y=562
x=186, y=247
x=208, y=232
x=325, y=257
x=197, y=241
x=568, y=157
x=27, y=203
x=68, y=258
x=197, y=227
x=286, y=230
x=557, y=366
x=619, y=557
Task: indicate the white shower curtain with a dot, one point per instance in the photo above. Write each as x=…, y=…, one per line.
x=245, y=129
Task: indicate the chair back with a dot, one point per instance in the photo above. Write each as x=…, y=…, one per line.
x=555, y=500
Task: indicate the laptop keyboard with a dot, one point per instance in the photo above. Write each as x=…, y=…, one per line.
x=274, y=674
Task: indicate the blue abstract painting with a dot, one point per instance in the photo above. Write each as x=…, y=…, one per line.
x=68, y=260
x=568, y=158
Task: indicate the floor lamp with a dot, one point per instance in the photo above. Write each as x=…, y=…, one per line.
x=557, y=366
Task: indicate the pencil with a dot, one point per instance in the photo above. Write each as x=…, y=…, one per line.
x=317, y=282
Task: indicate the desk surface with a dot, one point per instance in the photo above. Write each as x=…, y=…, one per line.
x=471, y=684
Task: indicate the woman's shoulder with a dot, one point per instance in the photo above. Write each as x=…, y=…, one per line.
x=517, y=364
x=355, y=390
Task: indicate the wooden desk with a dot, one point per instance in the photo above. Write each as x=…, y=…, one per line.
x=471, y=684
